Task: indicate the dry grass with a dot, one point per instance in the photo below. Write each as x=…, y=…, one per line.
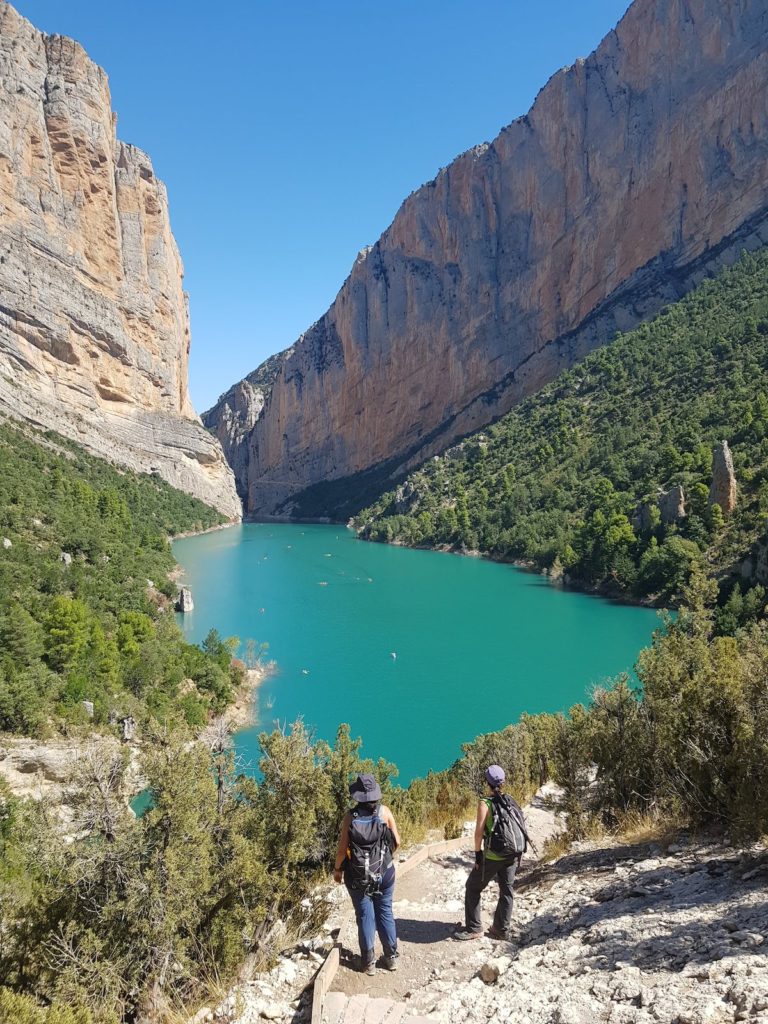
x=647, y=827
x=555, y=847
x=632, y=827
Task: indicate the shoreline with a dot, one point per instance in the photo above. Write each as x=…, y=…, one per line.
x=559, y=582
x=208, y=529
x=444, y=549
x=36, y=768
x=240, y=714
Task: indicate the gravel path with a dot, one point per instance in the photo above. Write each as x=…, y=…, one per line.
x=429, y=906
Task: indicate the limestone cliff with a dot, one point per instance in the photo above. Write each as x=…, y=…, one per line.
x=94, y=326
x=637, y=171
x=233, y=417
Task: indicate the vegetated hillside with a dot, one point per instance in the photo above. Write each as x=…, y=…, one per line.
x=560, y=481
x=84, y=592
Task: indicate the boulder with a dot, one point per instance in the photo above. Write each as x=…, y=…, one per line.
x=405, y=498
x=184, y=602
x=6, y=543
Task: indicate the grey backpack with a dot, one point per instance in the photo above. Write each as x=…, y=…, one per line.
x=508, y=835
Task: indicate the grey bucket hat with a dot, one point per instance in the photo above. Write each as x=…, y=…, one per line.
x=365, y=789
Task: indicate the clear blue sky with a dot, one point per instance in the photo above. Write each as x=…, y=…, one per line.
x=288, y=132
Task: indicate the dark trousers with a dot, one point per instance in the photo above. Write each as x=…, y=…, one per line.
x=502, y=871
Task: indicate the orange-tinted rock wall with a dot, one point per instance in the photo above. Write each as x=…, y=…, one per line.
x=636, y=172
x=94, y=327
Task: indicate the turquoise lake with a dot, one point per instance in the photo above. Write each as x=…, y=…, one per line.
x=476, y=643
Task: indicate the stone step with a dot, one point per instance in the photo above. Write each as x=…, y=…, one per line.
x=334, y=1005
x=396, y=1014
x=339, y=1008
x=355, y=1009
x=377, y=1010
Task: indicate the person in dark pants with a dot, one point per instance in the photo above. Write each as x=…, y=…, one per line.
x=369, y=837
x=489, y=867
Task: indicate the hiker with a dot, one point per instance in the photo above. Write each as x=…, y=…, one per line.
x=501, y=840
x=368, y=839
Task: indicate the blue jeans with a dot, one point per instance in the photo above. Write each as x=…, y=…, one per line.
x=374, y=913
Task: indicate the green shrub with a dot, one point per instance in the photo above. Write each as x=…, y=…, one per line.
x=21, y=1009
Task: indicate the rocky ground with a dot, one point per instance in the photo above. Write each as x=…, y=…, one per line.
x=281, y=994
x=675, y=933
x=622, y=934
x=47, y=769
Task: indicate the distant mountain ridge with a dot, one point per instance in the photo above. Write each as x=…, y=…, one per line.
x=637, y=172
x=94, y=324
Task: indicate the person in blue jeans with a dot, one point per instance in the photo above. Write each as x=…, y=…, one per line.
x=368, y=838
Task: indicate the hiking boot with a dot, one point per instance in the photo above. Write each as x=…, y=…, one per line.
x=463, y=934
x=369, y=968
x=389, y=963
x=493, y=933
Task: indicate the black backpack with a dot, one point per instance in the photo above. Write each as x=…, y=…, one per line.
x=508, y=836
x=370, y=851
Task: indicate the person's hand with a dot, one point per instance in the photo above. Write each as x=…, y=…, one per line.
x=478, y=860
x=337, y=876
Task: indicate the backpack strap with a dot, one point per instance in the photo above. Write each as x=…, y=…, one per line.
x=490, y=820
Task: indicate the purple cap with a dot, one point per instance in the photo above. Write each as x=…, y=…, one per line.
x=494, y=775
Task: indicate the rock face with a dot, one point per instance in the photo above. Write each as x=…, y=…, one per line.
x=94, y=327
x=233, y=417
x=672, y=505
x=46, y=770
x=723, y=489
x=637, y=172
x=185, y=602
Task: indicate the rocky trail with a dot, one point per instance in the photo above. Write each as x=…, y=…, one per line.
x=621, y=934
x=675, y=933
x=428, y=906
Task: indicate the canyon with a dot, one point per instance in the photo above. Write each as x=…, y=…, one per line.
x=94, y=322
x=638, y=171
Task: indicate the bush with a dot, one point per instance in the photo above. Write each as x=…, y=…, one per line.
x=19, y=1009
